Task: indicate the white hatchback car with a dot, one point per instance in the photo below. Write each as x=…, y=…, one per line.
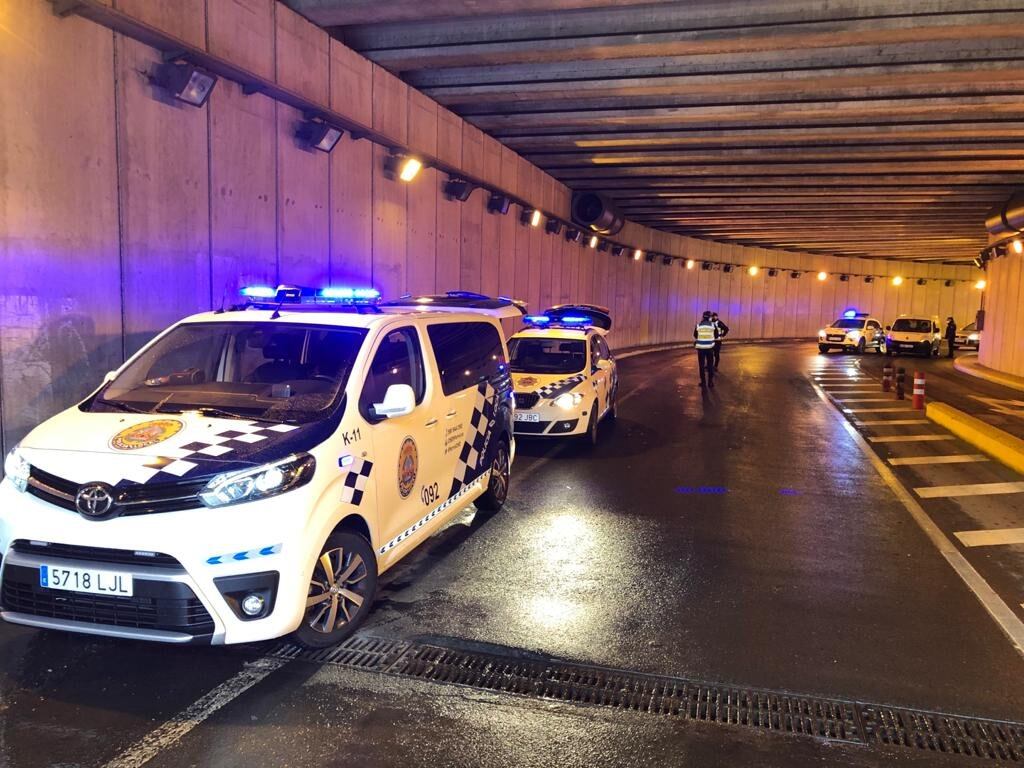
x=563, y=372
x=250, y=473
x=853, y=332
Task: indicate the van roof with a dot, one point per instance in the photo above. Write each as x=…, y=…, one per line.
x=338, y=319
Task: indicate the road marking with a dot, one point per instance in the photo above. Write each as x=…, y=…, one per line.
x=891, y=422
x=976, y=489
x=910, y=438
x=955, y=458
x=862, y=399
x=997, y=608
x=855, y=392
x=150, y=745
x=904, y=409
x=991, y=538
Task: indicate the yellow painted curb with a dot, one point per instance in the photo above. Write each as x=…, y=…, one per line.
x=1000, y=445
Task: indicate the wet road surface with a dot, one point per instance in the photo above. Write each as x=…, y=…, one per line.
x=738, y=536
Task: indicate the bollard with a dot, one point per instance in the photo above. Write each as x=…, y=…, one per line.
x=887, y=378
x=918, y=400
x=901, y=376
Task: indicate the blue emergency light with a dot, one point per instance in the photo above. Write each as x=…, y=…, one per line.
x=536, y=319
x=351, y=294
x=850, y=313
x=259, y=292
x=294, y=294
x=574, y=320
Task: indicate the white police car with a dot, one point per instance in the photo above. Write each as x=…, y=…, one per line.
x=250, y=473
x=853, y=332
x=563, y=372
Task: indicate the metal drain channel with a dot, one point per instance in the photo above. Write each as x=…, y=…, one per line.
x=765, y=710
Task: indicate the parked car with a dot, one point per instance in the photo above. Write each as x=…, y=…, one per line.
x=968, y=336
x=913, y=335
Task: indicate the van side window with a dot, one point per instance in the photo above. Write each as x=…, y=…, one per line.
x=466, y=353
x=398, y=360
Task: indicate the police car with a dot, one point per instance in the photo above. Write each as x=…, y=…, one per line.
x=251, y=472
x=563, y=372
x=853, y=332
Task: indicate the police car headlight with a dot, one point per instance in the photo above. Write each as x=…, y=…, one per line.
x=259, y=482
x=568, y=401
x=855, y=335
x=16, y=469
x=821, y=334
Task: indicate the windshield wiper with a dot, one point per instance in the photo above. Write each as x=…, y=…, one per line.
x=118, y=405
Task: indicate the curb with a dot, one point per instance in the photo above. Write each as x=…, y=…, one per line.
x=628, y=352
x=1000, y=445
x=979, y=371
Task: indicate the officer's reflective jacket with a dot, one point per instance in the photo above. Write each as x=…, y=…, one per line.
x=705, y=333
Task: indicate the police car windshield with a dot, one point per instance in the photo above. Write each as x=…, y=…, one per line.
x=260, y=370
x=545, y=355
x=908, y=325
x=848, y=322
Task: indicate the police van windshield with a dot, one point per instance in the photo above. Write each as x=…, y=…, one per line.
x=848, y=322
x=264, y=371
x=542, y=355
x=909, y=325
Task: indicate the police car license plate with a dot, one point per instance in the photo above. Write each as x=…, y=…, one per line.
x=835, y=338
x=527, y=416
x=88, y=580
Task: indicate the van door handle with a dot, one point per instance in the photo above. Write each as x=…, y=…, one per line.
x=431, y=423
x=451, y=414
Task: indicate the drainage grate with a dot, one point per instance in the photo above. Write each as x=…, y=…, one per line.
x=672, y=697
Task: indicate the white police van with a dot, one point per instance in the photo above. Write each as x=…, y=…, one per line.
x=251, y=472
x=563, y=372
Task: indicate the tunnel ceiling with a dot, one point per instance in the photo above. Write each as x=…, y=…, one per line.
x=855, y=127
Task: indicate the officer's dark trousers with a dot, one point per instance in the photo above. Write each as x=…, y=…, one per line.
x=718, y=353
x=706, y=364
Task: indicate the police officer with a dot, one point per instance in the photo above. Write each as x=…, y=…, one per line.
x=950, y=335
x=706, y=334
x=723, y=329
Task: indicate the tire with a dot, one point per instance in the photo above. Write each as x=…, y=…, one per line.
x=613, y=409
x=353, y=572
x=590, y=436
x=494, y=497
x=822, y=349
x=861, y=346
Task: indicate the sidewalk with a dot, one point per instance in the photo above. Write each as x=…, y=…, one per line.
x=969, y=364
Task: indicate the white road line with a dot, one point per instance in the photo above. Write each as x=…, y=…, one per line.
x=891, y=422
x=955, y=458
x=863, y=399
x=150, y=745
x=991, y=538
x=910, y=438
x=834, y=391
x=904, y=409
x=976, y=489
x=997, y=608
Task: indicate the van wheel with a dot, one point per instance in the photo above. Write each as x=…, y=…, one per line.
x=341, y=591
x=494, y=497
x=592, y=426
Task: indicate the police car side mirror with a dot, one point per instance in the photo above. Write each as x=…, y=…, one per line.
x=109, y=377
x=888, y=327
x=399, y=400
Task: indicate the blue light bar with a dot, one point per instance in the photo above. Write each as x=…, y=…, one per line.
x=349, y=294
x=259, y=292
x=537, y=319
x=850, y=313
x=574, y=320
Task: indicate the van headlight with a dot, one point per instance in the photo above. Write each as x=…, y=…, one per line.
x=259, y=482
x=568, y=401
x=16, y=469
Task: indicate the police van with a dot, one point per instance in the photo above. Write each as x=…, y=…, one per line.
x=563, y=372
x=251, y=472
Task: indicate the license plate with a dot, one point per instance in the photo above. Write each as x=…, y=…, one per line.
x=835, y=338
x=527, y=416
x=89, y=580
x=906, y=346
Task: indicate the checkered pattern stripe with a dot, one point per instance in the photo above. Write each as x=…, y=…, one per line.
x=560, y=386
x=354, y=484
x=478, y=433
x=173, y=463
x=466, y=489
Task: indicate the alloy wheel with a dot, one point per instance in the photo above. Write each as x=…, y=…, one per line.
x=337, y=591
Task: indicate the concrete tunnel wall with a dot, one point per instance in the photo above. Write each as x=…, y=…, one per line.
x=122, y=212
x=1001, y=347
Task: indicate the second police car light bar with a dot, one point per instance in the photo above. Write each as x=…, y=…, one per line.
x=294, y=294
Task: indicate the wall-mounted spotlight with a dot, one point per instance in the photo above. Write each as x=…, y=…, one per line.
x=948, y=283
x=498, y=203
x=530, y=216
x=553, y=226
x=650, y=257
x=594, y=240
x=185, y=82
x=869, y=279
x=795, y=274
x=1018, y=246
x=618, y=250
x=727, y=268
x=458, y=189
x=773, y=272
x=822, y=276
x=921, y=281
x=666, y=260
x=897, y=281
x=707, y=266
x=602, y=246
x=637, y=254
x=573, y=235
x=690, y=263
x=753, y=269
x=980, y=261
x=980, y=285
x=844, y=278
x=317, y=135
x=404, y=167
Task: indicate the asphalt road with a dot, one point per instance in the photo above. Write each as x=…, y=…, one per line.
x=738, y=536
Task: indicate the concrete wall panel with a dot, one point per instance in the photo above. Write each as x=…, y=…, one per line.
x=303, y=218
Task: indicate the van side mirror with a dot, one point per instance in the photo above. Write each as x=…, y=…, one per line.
x=399, y=400
x=888, y=327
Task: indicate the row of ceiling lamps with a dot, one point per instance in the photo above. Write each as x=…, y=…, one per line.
x=193, y=85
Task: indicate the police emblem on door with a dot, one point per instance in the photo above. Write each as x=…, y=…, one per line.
x=145, y=434
x=408, y=466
